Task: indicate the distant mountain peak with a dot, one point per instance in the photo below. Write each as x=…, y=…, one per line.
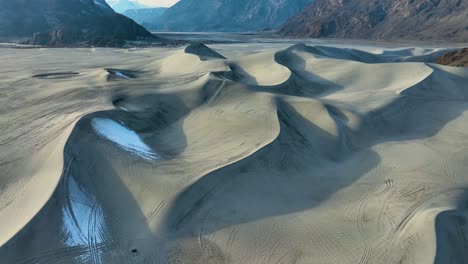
x=121, y=6
x=144, y=16
x=228, y=15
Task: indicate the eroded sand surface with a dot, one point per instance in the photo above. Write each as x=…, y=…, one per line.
x=232, y=154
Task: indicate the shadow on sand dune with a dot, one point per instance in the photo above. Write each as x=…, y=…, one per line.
x=452, y=235
x=299, y=170
x=301, y=83
x=93, y=217
x=260, y=186
x=305, y=165
x=87, y=218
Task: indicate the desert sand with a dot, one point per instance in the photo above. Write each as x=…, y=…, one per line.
x=248, y=153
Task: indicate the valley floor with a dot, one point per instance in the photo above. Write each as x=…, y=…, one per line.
x=259, y=153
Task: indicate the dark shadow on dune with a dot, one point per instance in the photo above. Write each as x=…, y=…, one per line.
x=123, y=236
x=288, y=170
x=158, y=110
x=237, y=74
x=56, y=75
x=301, y=83
x=387, y=56
x=451, y=229
x=148, y=115
x=92, y=217
x=80, y=224
x=420, y=111
x=116, y=74
x=285, y=170
x=350, y=54
x=274, y=181
x=203, y=52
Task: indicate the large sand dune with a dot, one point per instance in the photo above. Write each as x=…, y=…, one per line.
x=233, y=154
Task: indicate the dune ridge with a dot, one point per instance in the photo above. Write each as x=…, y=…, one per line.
x=202, y=154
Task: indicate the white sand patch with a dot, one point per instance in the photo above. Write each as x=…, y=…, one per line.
x=82, y=218
x=123, y=137
x=120, y=74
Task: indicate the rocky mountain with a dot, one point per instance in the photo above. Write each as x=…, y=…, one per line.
x=228, y=15
x=65, y=22
x=145, y=15
x=457, y=58
x=120, y=6
x=383, y=19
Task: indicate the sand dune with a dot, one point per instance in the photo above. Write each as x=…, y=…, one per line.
x=222, y=154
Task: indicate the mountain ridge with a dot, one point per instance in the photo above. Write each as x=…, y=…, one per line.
x=386, y=19
x=120, y=6
x=226, y=15
x=145, y=15
x=66, y=22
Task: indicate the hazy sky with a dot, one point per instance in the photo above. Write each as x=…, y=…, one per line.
x=158, y=2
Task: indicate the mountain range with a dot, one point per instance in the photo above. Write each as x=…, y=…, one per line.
x=145, y=16
x=227, y=15
x=64, y=22
x=384, y=19
x=120, y=6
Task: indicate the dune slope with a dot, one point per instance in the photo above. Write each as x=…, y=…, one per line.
x=225, y=155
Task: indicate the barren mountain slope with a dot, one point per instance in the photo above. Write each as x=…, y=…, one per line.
x=386, y=19
x=228, y=15
x=62, y=22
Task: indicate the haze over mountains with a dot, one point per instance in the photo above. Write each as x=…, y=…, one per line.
x=385, y=19
x=62, y=22
x=360, y=19
x=121, y=6
x=145, y=16
x=227, y=15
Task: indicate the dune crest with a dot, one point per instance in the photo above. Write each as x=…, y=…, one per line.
x=203, y=52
